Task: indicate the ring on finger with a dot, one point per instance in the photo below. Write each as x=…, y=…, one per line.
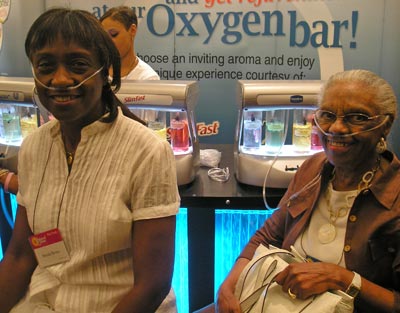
x=291, y=294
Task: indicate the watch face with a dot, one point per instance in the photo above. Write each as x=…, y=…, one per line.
x=353, y=291
x=355, y=286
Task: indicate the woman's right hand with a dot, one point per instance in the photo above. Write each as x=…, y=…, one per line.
x=226, y=300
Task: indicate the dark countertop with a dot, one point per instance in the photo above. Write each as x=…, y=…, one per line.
x=205, y=192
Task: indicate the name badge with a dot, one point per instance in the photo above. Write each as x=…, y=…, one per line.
x=49, y=248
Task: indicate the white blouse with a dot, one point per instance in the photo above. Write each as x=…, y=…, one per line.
x=309, y=244
x=122, y=172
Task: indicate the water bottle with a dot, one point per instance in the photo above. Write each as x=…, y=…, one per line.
x=11, y=122
x=252, y=137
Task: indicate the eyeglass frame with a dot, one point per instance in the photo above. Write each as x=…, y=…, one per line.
x=346, y=121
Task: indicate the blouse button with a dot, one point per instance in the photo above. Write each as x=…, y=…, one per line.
x=352, y=218
x=347, y=248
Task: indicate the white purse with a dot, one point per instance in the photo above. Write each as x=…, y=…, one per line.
x=259, y=293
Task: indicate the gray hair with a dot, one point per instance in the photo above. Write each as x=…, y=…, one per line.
x=386, y=101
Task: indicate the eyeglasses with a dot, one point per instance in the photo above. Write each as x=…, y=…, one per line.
x=325, y=118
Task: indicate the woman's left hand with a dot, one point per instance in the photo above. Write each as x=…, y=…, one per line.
x=307, y=279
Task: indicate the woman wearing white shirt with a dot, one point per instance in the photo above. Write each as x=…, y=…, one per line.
x=121, y=24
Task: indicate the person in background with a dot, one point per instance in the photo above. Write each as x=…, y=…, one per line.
x=342, y=208
x=95, y=226
x=121, y=24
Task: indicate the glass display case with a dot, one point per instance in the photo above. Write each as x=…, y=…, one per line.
x=18, y=117
x=168, y=109
x=275, y=131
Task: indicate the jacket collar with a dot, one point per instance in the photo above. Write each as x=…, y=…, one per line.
x=386, y=188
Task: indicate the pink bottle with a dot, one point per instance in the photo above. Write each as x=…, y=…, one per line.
x=179, y=132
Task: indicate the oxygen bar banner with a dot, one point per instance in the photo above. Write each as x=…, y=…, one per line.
x=221, y=41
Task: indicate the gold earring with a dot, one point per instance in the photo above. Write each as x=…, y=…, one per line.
x=381, y=146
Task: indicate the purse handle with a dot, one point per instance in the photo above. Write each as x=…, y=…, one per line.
x=268, y=267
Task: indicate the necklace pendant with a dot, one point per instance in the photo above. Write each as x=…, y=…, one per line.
x=70, y=158
x=326, y=233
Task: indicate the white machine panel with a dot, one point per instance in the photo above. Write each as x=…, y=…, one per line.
x=274, y=132
x=173, y=104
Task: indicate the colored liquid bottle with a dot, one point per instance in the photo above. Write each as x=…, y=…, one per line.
x=301, y=132
x=315, y=140
x=274, y=135
x=158, y=124
x=179, y=132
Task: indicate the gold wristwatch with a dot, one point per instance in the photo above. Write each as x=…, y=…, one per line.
x=355, y=286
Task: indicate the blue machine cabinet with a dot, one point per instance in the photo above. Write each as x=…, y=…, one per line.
x=220, y=219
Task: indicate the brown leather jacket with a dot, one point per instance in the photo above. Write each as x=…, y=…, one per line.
x=372, y=242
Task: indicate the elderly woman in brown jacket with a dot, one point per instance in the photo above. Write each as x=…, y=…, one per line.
x=342, y=208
